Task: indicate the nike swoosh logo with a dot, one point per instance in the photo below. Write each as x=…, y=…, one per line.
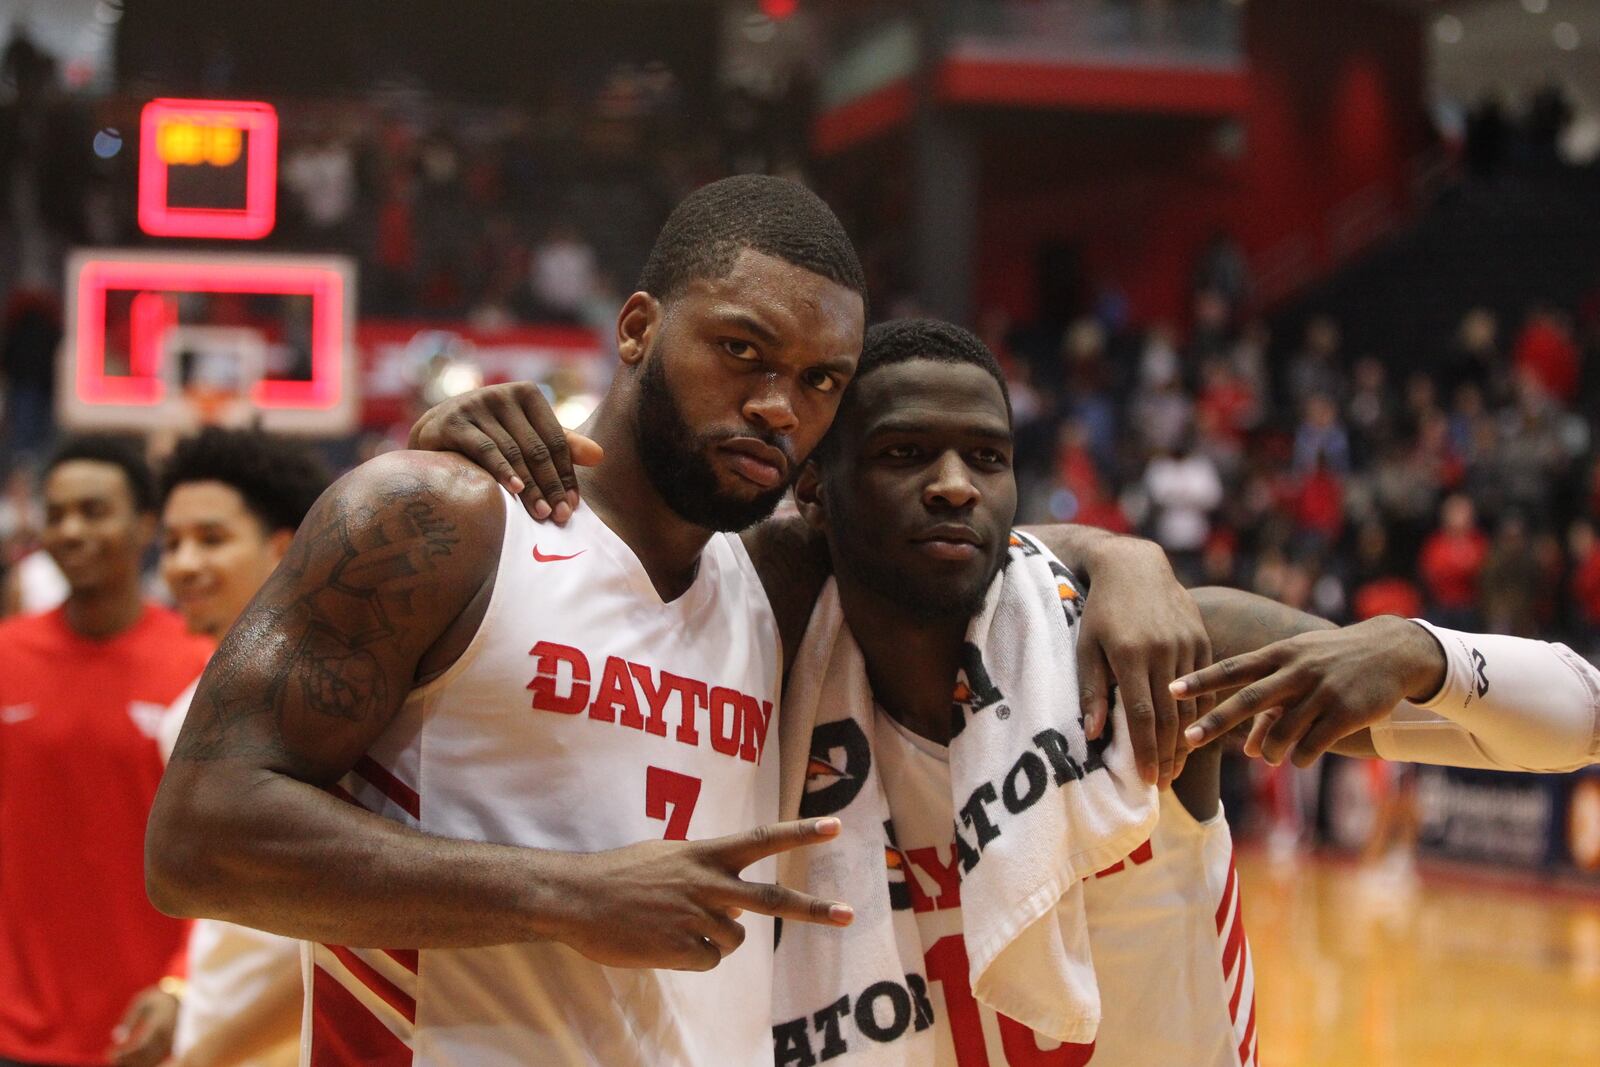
x=540, y=557
x=17, y=713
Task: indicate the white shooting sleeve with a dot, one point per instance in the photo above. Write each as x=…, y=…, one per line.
x=1507, y=703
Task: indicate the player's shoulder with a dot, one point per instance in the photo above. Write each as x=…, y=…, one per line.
x=789, y=555
x=433, y=484
x=792, y=562
x=35, y=628
x=443, y=500
x=451, y=478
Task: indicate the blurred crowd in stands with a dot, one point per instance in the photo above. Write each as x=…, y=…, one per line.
x=540, y=210
x=1464, y=487
x=1461, y=483
x=537, y=214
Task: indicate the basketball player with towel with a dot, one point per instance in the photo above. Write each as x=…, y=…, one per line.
x=1032, y=899
x=444, y=727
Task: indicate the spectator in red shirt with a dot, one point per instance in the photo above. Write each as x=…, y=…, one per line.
x=1546, y=352
x=82, y=692
x=1377, y=587
x=1228, y=399
x=1393, y=595
x=1319, y=504
x=1077, y=474
x=1584, y=548
x=1452, y=560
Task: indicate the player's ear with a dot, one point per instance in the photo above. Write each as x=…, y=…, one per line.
x=278, y=544
x=808, y=497
x=636, y=324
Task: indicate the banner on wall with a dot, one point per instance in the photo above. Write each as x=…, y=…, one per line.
x=395, y=356
x=1547, y=823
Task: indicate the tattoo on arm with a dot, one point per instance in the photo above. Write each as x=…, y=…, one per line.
x=333, y=637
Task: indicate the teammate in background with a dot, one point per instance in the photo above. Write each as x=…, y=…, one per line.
x=82, y=692
x=231, y=501
x=1405, y=690
x=655, y=655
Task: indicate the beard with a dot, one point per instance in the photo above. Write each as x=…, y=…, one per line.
x=921, y=599
x=675, y=459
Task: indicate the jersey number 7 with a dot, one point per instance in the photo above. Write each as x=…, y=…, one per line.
x=671, y=796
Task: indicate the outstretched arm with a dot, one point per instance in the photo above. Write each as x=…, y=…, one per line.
x=1242, y=627
x=1427, y=695
x=384, y=585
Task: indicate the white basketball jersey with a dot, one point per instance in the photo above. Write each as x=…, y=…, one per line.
x=586, y=714
x=1165, y=929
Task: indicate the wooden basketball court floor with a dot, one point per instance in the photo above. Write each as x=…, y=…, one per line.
x=1354, y=970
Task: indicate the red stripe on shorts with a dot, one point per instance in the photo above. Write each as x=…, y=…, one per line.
x=1230, y=950
x=374, y=980
x=405, y=957
x=1227, y=894
x=1249, y=1034
x=345, y=1034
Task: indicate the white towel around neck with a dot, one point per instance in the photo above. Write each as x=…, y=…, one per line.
x=1038, y=809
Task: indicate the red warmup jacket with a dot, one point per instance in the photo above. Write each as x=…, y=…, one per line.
x=79, y=768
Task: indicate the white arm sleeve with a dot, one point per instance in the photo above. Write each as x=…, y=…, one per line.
x=1507, y=703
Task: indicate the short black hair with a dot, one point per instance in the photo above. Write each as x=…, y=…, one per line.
x=279, y=479
x=118, y=451
x=900, y=340
x=774, y=216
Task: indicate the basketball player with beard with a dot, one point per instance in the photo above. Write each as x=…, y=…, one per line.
x=517, y=705
x=444, y=743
